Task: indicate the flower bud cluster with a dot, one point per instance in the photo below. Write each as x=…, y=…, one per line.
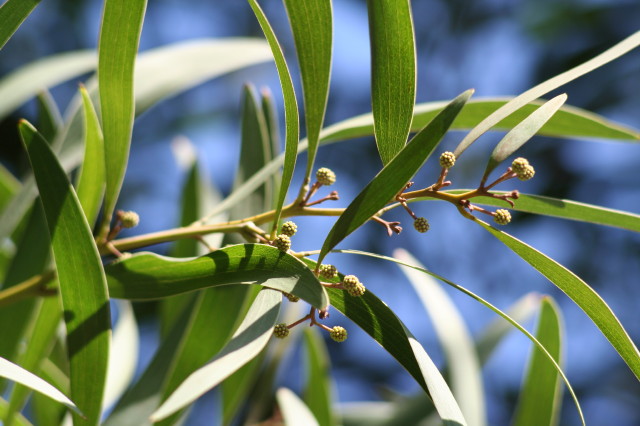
x=339, y=334
x=326, y=176
x=353, y=286
x=421, y=224
x=502, y=217
x=281, y=331
x=522, y=168
x=447, y=159
x=282, y=243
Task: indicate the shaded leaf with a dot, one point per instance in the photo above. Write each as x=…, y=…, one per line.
x=80, y=274
x=394, y=176
x=18, y=420
x=543, y=88
x=118, y=47
x=540, y=397
x=151, y=276
x=393, y=73
x=294, y=411
x=580, y=292
x=19, y=375
x=49, y=118
x=12, y=14
x=248, y=341
x=319, y=386
x=523, y=132
x=454, y=337
x=291, y=119
x=9, y=186
x=312, y=26
x=92, y=177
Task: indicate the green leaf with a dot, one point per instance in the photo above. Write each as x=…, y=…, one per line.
x=455, y=339
x=543, y=88
x=12, y=14
x=118, y=47
x=18, y=420
x=82, y=281
x=92, y=177
x=27, y=81
x=580, y=292
x=565, y=209
x=151, y=276
x=312, y=26
x=394, y=176
x=293, y=409
x=19, y=375
x=485, y=303
x=319, y=386
x=248, y=341
x=376, y=319
x=49, y=118
x=393, y=73
x=291, y=119
x=540, y=396
x=236, y=388
x=9, y=186
x=38, y=341
x=270, y=112
x=522, y=133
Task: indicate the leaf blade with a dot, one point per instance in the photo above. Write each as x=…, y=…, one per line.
x=12, y=14
x=294, y=410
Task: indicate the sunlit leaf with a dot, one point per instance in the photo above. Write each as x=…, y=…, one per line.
x=312, y=27
x=291, y=119
x=151, y=276
x=294, y=411
x=523, y=132
x=118, y=47
x=318, y=386
x=394, y=176
x=540, y=397
x=393, y=73
x=580, y=292
x=12, y=14
x=92, y=178
x=248, y=341
x=9, y=186
x=80, y=274
x=454, y=337
x=18, y=374
x=542, y=89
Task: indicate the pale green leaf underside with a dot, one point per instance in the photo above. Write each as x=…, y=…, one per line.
x=18, y=374
x=150, y=276
x=580, y=292
x=248, y=341
x=294, y=411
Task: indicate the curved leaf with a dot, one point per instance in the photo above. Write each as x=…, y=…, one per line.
x=540, y=397
x=19, y=375
x=247, y=342
x=312, y=27
x=151, y=276
x=565, y=209
x=294, y=411
x=25, y=82
x=80, y=274
x=488, y=305
x=393, y=73
x=543, y=88
x=523, y=132
x=455, y=339
x=580, y=292
x=49, y=118
x=394, y=176
x=291, y=119
x=318, y=385
x=118, y=47
x=12, y=14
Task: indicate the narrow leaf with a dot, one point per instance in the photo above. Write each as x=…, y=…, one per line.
x=523, y=132
x=312, y=26
x=92, y=177
x=455, y=338
x=542, y=89
x=19, y=375
x=540, y=396
x=291, y=119
x=248, y=341
x=18, y=420
x=118, y=46
x=9, y=186
x=394, y=176
x=567, y=209
x=80, y=274
x=393, y=73
x=49, y=118
x=580, y=292
x=318, y=387
x=294, y=411
x=12, y=14
x=151, y=276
